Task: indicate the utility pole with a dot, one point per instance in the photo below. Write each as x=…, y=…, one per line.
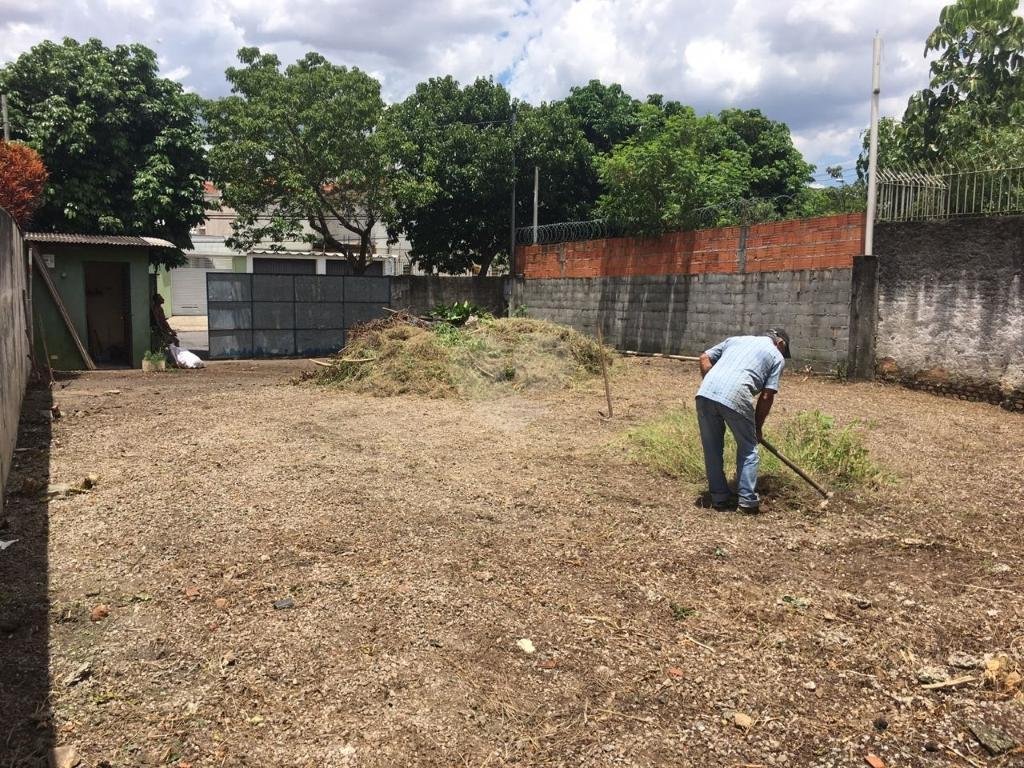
x=3, y=108
x=536, y=199
x=869, y=224
x=512, y=212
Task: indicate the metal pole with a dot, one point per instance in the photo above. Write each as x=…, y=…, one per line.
x=869, y=225
x=536, y=199
x=3, y=108
x=512, y=213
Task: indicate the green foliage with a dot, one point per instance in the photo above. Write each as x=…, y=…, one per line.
x=298, y=154
x=681, y=612
x=458, y=312
x=832, y=455
x=123, y=145
x=973, y=110
x=155, y=356
x=679, y=163
x=454, y=146
x=551, y=138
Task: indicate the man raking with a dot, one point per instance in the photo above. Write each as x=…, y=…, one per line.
x=734, y=372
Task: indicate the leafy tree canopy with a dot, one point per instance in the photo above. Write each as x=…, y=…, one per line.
x=454, y=148
x=973, y=109
x=662, y=178
x=298, y=154
x=122, y=144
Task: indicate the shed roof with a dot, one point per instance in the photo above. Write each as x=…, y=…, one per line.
x=70, y=238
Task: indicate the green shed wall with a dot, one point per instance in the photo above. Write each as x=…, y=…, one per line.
x=68, y=275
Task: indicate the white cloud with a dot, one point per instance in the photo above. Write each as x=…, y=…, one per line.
x=803, y=61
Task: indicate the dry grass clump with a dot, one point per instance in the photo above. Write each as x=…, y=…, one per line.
x=833, y=455
x=395, y=357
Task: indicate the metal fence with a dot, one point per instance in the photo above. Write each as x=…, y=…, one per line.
x=917, y=195
x=255, y=315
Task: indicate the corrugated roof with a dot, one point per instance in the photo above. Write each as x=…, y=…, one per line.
x=70, y=238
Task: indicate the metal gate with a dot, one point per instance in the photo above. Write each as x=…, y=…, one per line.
x=254, y=315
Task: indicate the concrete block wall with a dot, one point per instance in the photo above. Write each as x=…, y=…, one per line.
x=15, y=332
x=951, y=307
x=419, y=294
x=684, y=291
x=685, y=314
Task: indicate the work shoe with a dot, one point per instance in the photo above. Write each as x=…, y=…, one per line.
x=751, y=509
x=704, y=501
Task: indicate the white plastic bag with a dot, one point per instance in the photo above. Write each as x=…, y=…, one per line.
x=185, y=359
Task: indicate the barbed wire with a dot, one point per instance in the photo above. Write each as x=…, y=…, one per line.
x=737, y=212
x=565, y=231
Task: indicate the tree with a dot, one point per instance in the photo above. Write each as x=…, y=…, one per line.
x=122, y=144
x=22, y=180
x=299, y=156
x=454, y=148
x=657, y=183
x=682, y=171
x=975, y=99
x=606, y=114
x=777, y=169
x=548, y=137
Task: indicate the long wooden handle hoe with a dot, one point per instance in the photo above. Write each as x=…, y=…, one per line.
x=827, y=494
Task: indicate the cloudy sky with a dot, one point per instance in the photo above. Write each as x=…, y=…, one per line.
x=806, y=62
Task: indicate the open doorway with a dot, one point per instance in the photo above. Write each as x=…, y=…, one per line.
x=108, y=312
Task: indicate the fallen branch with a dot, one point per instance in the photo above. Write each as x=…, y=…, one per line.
x=950, y=683
x=698, y=642
x=344, y=360
x=965, y=758
x=631, y=353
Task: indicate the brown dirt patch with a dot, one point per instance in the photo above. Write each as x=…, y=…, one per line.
x=419, y=540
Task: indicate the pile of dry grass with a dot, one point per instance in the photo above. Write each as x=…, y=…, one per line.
x=402, y=356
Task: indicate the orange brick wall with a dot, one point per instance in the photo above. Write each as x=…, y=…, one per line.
x=822, y=243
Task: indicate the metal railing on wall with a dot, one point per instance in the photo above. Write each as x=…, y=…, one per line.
x=921, y=195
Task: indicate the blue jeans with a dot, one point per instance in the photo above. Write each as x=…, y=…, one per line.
x=712, y=418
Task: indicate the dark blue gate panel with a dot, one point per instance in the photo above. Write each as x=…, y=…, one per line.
x=230, y=344
x=282, y=315
x=312, y=343
x=273, y=343
x=273, y=288
x=229, y=315
x=228, y=287
x=273, y=315
x=320, y=316
x=319, y=288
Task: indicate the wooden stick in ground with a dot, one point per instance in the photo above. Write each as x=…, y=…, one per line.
x=604, y=371
x=796, y=469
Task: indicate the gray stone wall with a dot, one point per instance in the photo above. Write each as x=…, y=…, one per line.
x=419, y=294
x=951, y=306
x=685, y=314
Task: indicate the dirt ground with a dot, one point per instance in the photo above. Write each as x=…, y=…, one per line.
x=414, y=544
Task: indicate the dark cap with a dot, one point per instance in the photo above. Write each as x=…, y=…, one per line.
x=779, y=333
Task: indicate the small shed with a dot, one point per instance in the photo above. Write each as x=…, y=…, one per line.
x=91, y=298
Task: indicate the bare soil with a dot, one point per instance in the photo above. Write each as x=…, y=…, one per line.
x=415, y=542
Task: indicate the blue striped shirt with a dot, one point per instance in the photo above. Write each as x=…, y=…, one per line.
x=743, y=367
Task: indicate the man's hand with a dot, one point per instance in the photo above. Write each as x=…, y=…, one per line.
x=705, y=364
x=764, y=407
